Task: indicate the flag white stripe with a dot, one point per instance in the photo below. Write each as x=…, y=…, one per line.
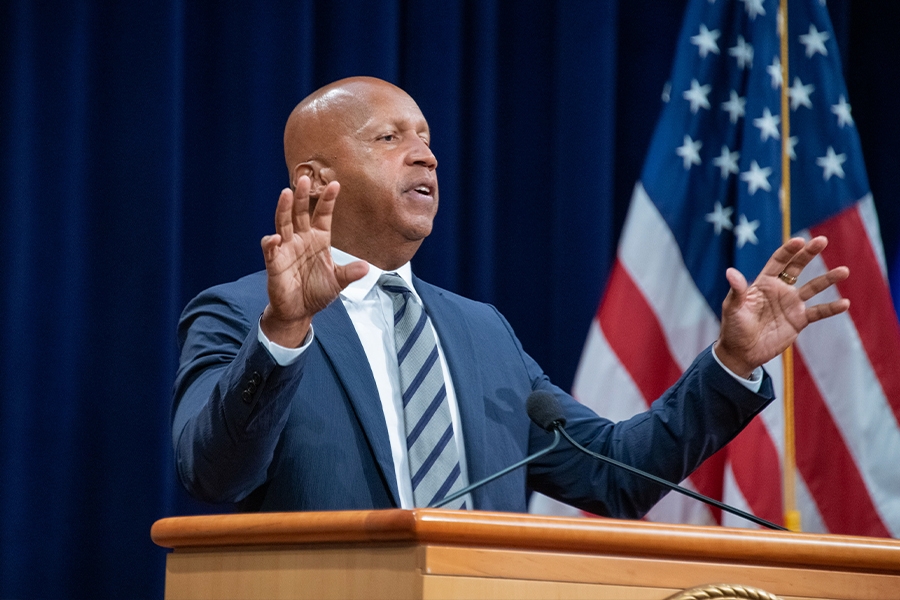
x=651, y=256
x=866, y=209
x=733, y=495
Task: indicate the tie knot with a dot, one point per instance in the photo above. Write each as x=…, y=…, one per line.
x=393, y=284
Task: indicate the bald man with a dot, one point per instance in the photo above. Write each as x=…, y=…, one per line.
x=295, y=390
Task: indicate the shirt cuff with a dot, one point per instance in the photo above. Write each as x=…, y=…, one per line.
x=753, y=383
x=284, y=356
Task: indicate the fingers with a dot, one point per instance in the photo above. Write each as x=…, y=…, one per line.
x=793, y=256
x=829, y=309
x=822, y=282
x=300, y=209
x=324, y=210
x=284, y=224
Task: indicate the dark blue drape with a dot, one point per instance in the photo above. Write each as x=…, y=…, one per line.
x=140, y=162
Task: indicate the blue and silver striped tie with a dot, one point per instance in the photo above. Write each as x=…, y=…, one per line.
x=433, y=458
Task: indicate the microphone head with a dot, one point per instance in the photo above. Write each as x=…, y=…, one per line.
x=543, y=408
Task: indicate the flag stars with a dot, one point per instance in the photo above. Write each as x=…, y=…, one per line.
x=768, y=125
x=743, y=52
x=831, y=164
x=706, y=41
x=727, y=162
x=734, y=107
x=799, y=94
x=754, y=8
x=815, y=41
x=774, y=71
x=842, y=110
x=697, y=96
x=757, y=178
x=690, y=152
x=720, y=218
x=745, y=231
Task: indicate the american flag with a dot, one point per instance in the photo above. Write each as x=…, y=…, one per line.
x=708, y=198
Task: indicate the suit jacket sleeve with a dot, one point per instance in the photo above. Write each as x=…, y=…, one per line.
x=700, y=414
x=231, y=400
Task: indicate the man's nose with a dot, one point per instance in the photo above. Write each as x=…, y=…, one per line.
x=420, y=154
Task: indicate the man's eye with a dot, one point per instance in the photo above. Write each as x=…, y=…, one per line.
x=388, y=137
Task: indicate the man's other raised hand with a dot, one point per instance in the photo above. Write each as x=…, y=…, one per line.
x=302, y=278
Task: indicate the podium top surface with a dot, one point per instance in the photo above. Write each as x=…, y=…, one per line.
x=530, y=532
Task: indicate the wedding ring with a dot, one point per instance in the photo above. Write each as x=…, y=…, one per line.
x=788, y=279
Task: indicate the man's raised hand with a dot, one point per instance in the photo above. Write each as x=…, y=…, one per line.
x=302, y=278
x=761, y=320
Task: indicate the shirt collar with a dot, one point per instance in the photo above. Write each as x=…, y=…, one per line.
x=359, y=289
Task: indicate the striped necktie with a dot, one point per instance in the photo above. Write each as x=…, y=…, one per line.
x=433, y=459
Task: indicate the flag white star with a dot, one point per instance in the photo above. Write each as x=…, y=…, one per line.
x=799, y=94
x=842, y=110
x=690, y=152
x=697, y=96
x=667, y=92
x=792, y=143
x=768, y=125
x=831, y=164
x=757, y=178
x=754, y=7
x=720, y=218
x=774, y=71
x=706, y=41
x=727, y=162
x=734, y=107
x=815, y=41
x=746, y=231
x=743, y=52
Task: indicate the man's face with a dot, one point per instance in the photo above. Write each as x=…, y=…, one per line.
x=382, y=159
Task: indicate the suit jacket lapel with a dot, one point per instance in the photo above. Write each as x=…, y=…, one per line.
x=336, y=335
x=459, y=349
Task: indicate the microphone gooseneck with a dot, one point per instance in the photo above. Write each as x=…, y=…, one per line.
x=546, y=415
x=672, y=486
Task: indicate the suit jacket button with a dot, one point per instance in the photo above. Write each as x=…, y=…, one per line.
x=256, y=378
x=247, y=396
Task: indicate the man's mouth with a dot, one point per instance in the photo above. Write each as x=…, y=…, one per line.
x=423, y=189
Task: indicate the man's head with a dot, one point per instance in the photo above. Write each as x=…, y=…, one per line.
x=371, y=137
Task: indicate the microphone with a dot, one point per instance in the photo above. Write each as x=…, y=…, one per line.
x=552, y=415
x=544, y=410
x=547, y=415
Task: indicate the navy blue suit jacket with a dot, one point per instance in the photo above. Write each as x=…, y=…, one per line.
x=312, y=436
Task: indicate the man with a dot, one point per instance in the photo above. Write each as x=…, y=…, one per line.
x=298, y=390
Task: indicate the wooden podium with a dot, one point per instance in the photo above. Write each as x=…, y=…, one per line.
x=432, y=553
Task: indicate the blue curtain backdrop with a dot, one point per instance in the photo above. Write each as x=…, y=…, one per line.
x=141, y=159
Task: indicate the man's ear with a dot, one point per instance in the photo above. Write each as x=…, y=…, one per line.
x=319, y=176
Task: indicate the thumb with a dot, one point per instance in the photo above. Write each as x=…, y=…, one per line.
x=737, y=293
x=347, y=274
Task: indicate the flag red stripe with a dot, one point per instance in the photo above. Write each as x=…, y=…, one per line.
x=757, y=471
x=634, y=334
x=709, y=480
x=871, y=307
x=826, y=464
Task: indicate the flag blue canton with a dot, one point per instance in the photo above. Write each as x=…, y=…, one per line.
x=714, y=166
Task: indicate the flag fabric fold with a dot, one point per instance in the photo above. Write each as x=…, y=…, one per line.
x=708, y=199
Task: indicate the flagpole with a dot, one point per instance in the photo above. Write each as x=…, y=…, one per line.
x=791, y=514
